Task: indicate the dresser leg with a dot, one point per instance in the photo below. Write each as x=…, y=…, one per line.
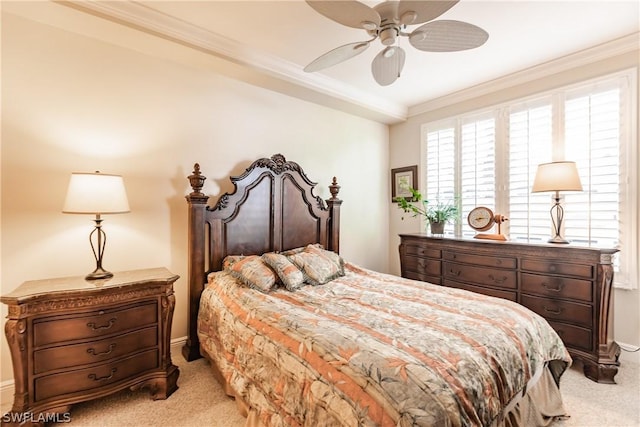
x=600, y=373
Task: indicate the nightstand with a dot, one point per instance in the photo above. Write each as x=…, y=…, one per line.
x=73, y=340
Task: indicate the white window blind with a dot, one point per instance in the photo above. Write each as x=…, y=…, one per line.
x=440, y=168
x=477, y=168
x=592, y=140
x=591, y=124
x=530, y=134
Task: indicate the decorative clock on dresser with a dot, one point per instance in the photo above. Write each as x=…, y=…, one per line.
x=568, y=285
x=73, y=340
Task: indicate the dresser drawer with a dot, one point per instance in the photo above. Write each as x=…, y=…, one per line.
x=557, y=287
x=573, y=336
x=428, y=266
x=560, y=268
x=422, y=251
x=96, y=324
x=480, y=275
x=94, y=351
x=94, y=377
x=489, y=261
x=511, y=296
x=579, y=314
x=436, y=280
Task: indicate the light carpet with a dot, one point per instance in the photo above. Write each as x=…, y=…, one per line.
x=200, y=401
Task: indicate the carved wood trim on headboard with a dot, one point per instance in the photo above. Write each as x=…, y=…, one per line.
x=273, y=208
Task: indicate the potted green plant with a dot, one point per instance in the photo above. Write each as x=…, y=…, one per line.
x=437, y=214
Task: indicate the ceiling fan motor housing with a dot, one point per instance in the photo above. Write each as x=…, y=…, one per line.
x=388, y=36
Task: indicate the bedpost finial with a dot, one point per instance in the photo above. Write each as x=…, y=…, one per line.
x=334, y=188
x=197, y=181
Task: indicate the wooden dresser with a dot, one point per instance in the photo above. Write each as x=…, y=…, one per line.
x=569, y=286
x=73, y=340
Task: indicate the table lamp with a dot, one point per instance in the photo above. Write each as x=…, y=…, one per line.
x=96, y=194
x=557, y=176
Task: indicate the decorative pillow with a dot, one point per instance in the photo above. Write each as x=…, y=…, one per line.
x=289, y=274
x=253, y=272
x=318, y=268
x=334, y=257
x=229, y=260
x=292, y=251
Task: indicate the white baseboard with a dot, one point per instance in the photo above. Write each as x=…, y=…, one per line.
x=629, y=356
x=6, y=387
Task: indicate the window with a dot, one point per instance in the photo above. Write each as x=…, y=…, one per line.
x=490, y=158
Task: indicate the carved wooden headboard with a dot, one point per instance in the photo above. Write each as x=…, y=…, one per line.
x=272, y=208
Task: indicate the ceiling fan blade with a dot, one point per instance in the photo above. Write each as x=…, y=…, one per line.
x=447, y=36
x=336, y=56
x=387, y=65
x=348, y=12
x=424, y=10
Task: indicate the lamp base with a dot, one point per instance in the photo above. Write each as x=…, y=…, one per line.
x=98, y=273
x=558, y=239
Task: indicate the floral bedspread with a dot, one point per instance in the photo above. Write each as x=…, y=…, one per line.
x=370, y=349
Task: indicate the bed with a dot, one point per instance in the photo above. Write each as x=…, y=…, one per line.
x=299, y=336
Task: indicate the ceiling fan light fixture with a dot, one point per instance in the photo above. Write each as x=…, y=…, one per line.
x=388, y=36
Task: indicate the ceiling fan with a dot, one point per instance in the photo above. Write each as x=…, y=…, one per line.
x=388, y=22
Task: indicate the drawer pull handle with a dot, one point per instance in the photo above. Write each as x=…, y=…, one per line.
x=107, y=351
x=455, y=273
x=552, y=310
x=93, y=326
x=501, y=280
x=549, y=288
x=108, y=377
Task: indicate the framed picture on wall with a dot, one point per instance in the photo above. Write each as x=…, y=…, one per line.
x=402, y=179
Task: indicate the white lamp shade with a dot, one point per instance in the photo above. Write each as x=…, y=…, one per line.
x=96, y=193
x=556, y=176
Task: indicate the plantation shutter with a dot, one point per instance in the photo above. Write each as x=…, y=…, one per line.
x=530, y=143
x=478, y=168
x=592, y=140
x=440, y=170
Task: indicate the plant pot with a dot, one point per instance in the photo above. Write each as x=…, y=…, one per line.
x=437, y=227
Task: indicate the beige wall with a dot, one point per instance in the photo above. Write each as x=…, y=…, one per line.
x=76, y=103
x=405, y=150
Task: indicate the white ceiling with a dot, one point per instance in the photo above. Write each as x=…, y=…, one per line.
x=281, y=37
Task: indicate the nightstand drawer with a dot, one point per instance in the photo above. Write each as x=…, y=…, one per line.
x=561, y=268
x=489, y=261
x=557, y=287
x=95, y=377
x=94, y=351
x=480, y=275
x=95, y=324
x=550, y=309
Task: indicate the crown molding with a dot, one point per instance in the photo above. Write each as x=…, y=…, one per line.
x=584, y=57
x=144, y=18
